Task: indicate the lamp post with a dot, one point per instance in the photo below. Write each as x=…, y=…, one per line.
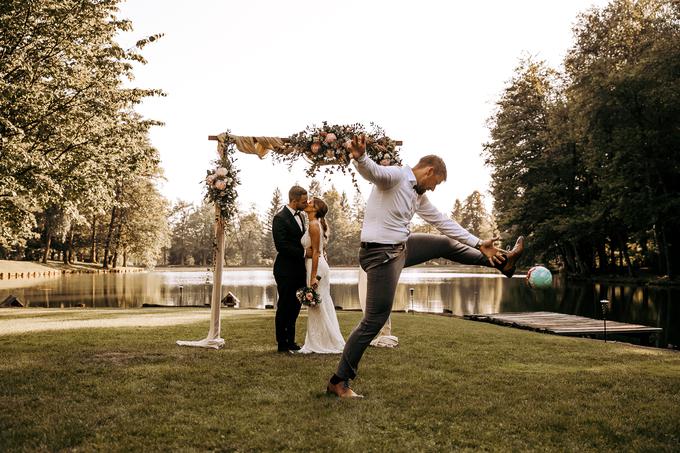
x=605, y=304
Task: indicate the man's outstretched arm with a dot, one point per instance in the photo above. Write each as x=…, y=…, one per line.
x=381, y=176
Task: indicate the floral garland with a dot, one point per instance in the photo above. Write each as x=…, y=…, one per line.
x=328, y=144
x=221, y=182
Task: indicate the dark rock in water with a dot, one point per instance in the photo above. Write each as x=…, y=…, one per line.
x=230, y=300
x=269, y=306
x=11, y=301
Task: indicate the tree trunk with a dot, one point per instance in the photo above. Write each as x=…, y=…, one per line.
x=602, y=257
x=125, y=257
x=48, y=244
x=109, y=235
x=69, y=247
x=93, y=240
x=666, y=252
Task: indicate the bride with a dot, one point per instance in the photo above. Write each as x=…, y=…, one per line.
x=323, y=331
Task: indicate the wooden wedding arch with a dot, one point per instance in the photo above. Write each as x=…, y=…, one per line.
x=259, y=146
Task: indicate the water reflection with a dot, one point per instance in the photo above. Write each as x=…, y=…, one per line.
x=435, y=290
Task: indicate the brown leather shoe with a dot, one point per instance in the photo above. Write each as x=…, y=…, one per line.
x=342, y=390
x=508, y=267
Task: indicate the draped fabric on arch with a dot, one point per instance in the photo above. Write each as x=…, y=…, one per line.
x=259, y=146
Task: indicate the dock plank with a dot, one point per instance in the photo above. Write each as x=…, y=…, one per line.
x=562, y=324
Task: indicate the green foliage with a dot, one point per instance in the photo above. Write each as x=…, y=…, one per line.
x=585, y=162
x=69, y=135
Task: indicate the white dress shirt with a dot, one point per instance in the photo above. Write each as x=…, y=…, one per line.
x=393, y=203
x=298, y=218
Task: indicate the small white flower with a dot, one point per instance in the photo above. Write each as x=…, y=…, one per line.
x=221, y=171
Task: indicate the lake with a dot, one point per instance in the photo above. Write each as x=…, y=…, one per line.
x=459, y=290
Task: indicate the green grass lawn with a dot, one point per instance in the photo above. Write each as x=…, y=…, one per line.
x=452, y=384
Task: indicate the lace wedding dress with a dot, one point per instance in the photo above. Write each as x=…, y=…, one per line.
x=323, y=332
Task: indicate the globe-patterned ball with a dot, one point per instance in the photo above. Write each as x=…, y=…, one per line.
x=539, y=277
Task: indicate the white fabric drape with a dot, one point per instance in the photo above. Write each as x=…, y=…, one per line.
x=385, y=339
x=213, y=339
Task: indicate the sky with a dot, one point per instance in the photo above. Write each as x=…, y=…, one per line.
x=428, y=72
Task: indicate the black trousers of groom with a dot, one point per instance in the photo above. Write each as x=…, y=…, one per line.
x=383, y=265
x=288, y=307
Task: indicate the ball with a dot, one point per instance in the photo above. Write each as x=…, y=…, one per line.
x=539, y=277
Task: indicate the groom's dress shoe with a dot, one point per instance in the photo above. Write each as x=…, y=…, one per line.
x=342, y=390
x=294, y=347
x=508, y=266
x=283, y=349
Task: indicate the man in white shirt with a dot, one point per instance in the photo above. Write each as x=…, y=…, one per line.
x=387, y=246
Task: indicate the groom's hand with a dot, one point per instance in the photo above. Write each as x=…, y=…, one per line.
x=495, y=255
x=357, y=146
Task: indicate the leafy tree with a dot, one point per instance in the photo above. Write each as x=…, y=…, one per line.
x=268, y=249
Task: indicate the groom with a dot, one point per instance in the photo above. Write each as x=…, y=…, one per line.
x=388, y=246
x=288, y=226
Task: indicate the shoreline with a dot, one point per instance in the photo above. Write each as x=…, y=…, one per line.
x=24, y=270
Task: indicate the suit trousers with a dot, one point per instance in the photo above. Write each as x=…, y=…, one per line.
x=287, y=307
x=383, y=267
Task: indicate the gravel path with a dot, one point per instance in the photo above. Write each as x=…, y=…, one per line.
x=18, y=321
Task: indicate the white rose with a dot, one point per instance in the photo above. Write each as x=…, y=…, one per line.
x=221, y=171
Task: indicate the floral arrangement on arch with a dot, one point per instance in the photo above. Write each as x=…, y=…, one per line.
x=221, y=182
x=328, y=144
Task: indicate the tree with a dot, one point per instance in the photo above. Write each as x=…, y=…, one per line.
x=66, y=120
x=248, y=235
x=457, y=211
x=268, y=249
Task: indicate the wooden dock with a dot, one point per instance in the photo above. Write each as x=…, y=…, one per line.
x=562, y=324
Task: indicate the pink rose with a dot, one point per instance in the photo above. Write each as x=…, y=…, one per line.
x=210, y=179
x=316, y=147
x=220, y=185
x=221, y=171
x=330, y=138
x=323, y=133
x=309, y=297
x=385, y=162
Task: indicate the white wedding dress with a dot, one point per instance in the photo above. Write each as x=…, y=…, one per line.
x=323, y=332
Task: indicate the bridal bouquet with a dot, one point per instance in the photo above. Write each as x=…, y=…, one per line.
x=308, y=296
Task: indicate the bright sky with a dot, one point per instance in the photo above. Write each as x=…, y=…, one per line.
x=428, y=72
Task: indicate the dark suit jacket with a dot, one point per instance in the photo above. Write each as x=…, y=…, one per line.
x=290, y=260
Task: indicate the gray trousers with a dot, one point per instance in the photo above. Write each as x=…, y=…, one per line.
x=383, y=267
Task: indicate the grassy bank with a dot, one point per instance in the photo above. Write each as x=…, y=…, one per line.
x=451, y=384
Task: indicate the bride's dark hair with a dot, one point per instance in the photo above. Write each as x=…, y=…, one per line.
x=321, y=211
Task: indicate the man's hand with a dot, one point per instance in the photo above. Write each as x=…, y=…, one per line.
x=357, y=146
x=495, y=255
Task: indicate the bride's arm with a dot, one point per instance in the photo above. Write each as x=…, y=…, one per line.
x=314, y=235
